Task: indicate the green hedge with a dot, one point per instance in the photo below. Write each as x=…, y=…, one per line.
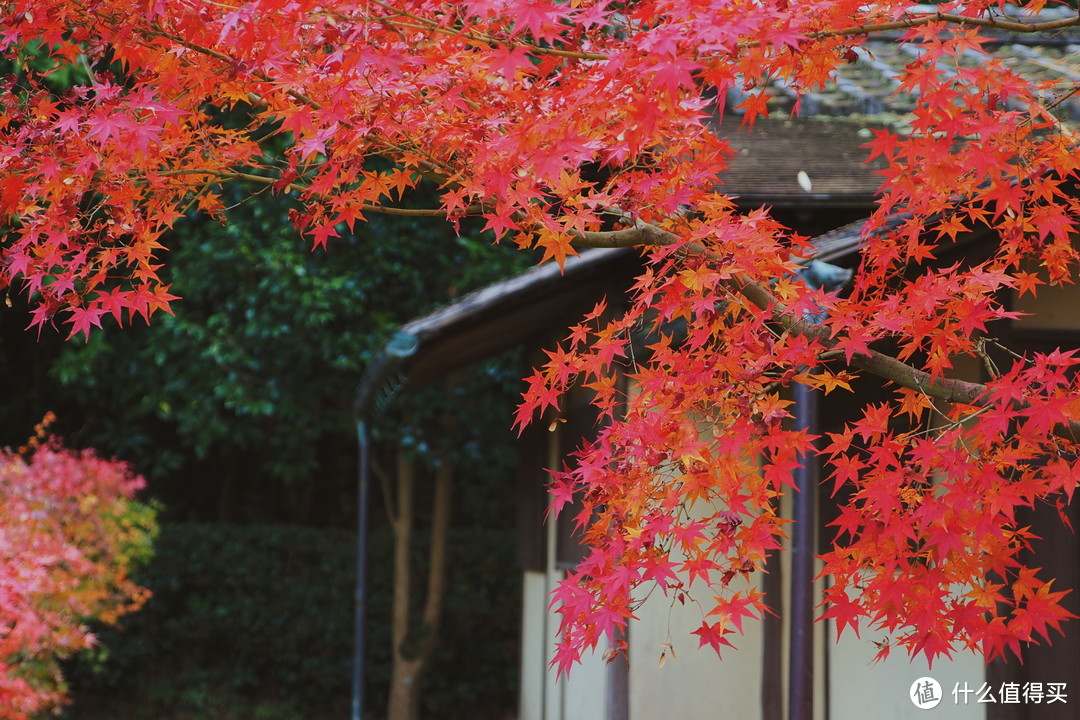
x=256, y=622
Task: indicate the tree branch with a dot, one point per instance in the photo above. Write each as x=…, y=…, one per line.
x=911, y=21
x=876, y=363
x=403, y=529
x=641, y=235
x=884, y=366
x=364, y=207
x=458, y=31
x=436, y=587
x=915, y=20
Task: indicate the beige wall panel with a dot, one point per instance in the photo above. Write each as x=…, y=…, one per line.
x=534, y=646
x=860, y=689
x=585, y=691
x=694, y=685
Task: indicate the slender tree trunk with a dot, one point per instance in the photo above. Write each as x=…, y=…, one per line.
x=412, y=650
x=402, y=678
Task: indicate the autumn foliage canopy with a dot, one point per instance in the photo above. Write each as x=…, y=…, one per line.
x=584, y=123
x=70, y=533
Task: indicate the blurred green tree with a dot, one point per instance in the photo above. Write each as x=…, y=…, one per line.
x=249, y=385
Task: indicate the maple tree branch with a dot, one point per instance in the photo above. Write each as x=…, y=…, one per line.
x=911, y=21
x=492, y=42
x=254, y=99
x=300, y=97
x=364, y=207
x=154, y=30
x=1061, y=99
x=885, y=366
x=425, y=24
x=941, y=388
x=641, y=235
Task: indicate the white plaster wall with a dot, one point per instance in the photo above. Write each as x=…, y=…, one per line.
x=695, y=684
x=859, y=688
x=582, y=695
x=533, y=643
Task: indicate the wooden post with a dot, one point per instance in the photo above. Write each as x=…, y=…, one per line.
x=413, y=645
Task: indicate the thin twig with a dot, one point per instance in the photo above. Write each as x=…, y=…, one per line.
x=294, y=187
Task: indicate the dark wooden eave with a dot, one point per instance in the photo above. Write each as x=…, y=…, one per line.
x=506, y=313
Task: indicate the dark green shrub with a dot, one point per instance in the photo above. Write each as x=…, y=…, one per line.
x=257, y=612
x=256, y=622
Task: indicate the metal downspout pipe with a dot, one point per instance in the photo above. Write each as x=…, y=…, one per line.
x=376, y=388
x=829, y=278
x=801, y=659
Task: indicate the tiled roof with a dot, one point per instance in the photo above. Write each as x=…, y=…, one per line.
x=866, y=86
x=766, y=167
x=824, y=141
